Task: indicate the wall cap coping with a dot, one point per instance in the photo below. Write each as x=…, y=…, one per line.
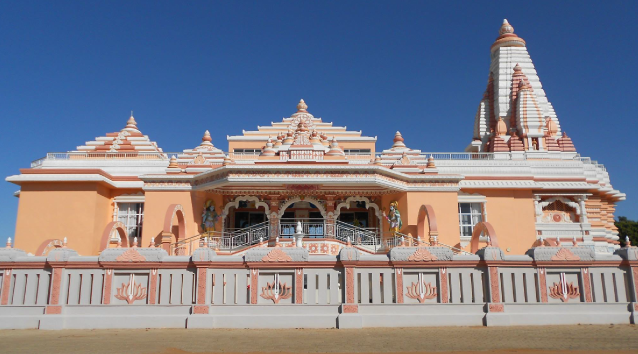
x=133, y=255
x=276, y=254
x=11, y=254
x=628, y=253
x=420, y=254
x=61, y=255
x=562, y=253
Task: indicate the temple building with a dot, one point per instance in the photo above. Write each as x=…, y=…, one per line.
x=306, y=182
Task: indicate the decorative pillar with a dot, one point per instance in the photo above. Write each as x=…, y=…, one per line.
x=299, y=286
x=152, y=288
x=254, y=284
x=350, y=306
x=444, y=285
x=54, y=307
x=398, y=273
x=583, y=210
x=330, y=216
x=6, y=284
x=537, y=208
x=584, y=272
x=106, y=291
x=495, y=290
x=167, y=237
x=542, y=286
x=201, y=308
x=274, y=219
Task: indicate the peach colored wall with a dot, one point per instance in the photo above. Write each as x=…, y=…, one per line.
x=445, y=205
x=512, y=214
x=77, y=211
x=157, y=202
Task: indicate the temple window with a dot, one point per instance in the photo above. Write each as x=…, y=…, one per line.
x=247, y=151
x=470, y=214
x=356, y=151
x=131, y=215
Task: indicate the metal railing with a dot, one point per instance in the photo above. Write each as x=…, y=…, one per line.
x=96, y=155
x=312, y=228
x=460, y=155
x=357, y=235
x=224, y=241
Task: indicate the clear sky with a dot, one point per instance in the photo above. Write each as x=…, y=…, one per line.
x=72, y=71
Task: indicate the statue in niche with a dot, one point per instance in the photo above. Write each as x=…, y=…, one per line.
x=394, y=218
x=209, y=217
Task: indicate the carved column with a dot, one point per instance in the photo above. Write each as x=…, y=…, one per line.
x=54, y=307
x=330, y=216
x=274, y=219
x=537, y=208
x=583, y=210
x=299, y=286
x=201, y=307
x=106, y=291
x=398, y=273
x=6, y=284
x=495, y=304
x=444, y=285
x=167, y=237
x=542, y=286
x=152, y=288
x=254, y=284
x=350, y=305
x=584, y=272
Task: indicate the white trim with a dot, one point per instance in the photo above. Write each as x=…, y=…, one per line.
x=293, y=200
x=243, y=198
x=377, y=211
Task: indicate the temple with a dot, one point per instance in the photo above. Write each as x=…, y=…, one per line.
x=306, y=224
x=304, y=182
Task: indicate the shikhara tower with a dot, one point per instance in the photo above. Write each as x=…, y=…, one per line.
x=520, y=184
x=515, y=114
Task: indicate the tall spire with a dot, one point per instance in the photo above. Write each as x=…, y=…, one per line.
x=511, y=72
x=131, y=124
x=507, y=37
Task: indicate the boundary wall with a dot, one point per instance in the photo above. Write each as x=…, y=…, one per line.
x=273, y=287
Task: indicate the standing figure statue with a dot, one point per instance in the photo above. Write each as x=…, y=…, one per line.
x=394, y=218
x=209, y=217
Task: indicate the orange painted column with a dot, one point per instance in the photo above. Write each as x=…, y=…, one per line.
x=495, y=290
x=398, y=273
x=6, y=284
x=108, y=281
x=542, y=280
x=254, y=284
x=152, y=289
x=54, y=307
x=202, y=276
x=350, y=305
x=444, y=285
x=299, y=286
x=586, y=284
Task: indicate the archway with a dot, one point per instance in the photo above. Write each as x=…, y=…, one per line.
x=433, y=231
x=108, y=231
x=483, y=227
x=244, y=211
x=307, y=210
x=47, y=245
x=172, y=211
x=378, y=213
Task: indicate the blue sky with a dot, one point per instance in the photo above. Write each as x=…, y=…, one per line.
x=71, y=71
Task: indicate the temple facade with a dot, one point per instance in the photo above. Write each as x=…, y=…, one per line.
x=304, y=182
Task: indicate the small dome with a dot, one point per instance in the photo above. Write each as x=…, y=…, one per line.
x=302, y=106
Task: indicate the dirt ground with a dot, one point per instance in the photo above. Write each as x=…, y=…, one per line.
x=520, y=340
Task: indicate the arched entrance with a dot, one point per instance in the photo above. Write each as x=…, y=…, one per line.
x=433, y=231
x=243, y=212
x=309, y=211
x=360, y=212
x=480, y=228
